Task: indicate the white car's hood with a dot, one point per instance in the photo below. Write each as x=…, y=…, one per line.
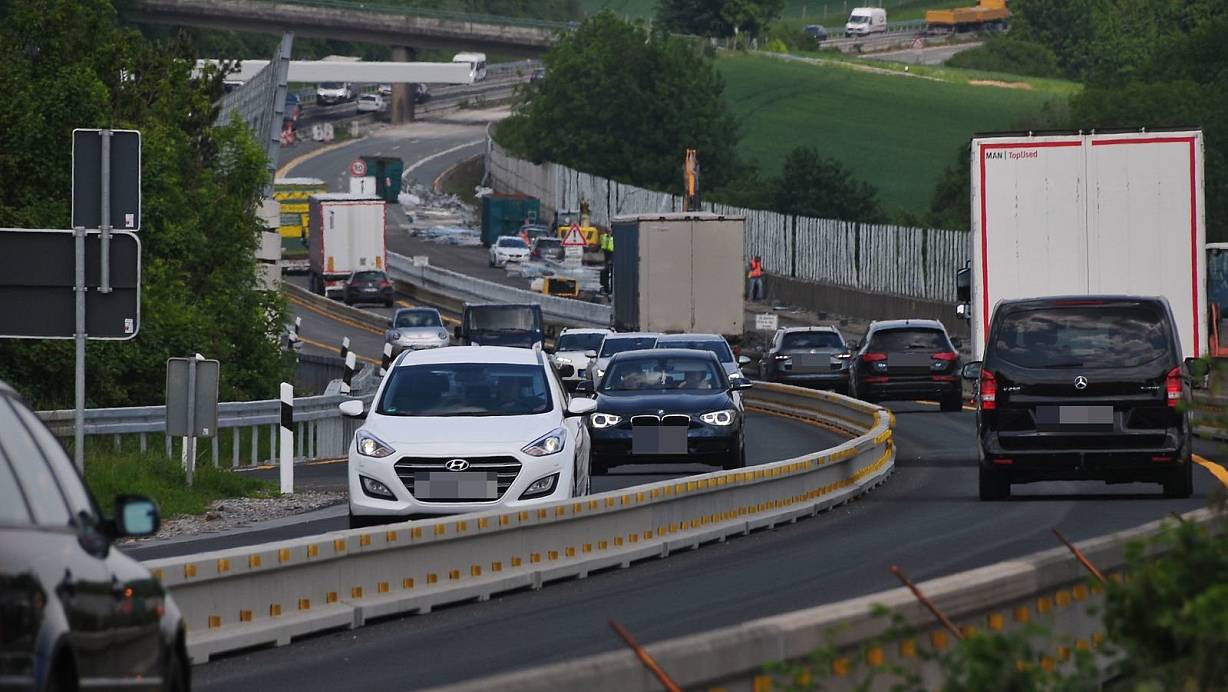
x=453, y=432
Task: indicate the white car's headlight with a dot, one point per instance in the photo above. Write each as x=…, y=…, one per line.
x=550, y=443
x=718, y=417
x=371, y=446
x=443, y=335
x=394, y=335
x=604, y=420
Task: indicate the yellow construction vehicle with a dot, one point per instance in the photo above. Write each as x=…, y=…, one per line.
x=562, y=286
x=564, y=220
x=988, y=14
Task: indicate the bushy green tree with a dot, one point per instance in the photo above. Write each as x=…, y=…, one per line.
x=717, y=17
x=67, y=64
x=624, y=103
x=812, y=185
x=1010, y=55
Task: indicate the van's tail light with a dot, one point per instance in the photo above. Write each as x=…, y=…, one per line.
x=873, y=357
x=1173, y=387
x=988, y=391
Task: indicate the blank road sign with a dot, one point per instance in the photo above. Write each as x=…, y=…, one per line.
x=37, y=275
x=205, y=415
x=125, y=179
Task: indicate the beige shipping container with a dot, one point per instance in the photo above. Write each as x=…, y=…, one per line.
x=681, y=272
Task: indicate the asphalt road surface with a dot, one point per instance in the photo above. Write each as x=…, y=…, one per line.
x=927, y=519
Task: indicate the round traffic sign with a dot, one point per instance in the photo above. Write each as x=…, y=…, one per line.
x=358, y=168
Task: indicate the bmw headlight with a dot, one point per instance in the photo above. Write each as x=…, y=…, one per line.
x=604, y=420
x=718, y=417
x=371, y=446
x=550, y=443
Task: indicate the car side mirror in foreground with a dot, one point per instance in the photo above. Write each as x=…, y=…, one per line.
x=971, y=371
x=743, y=360
x=135, y=516
x=581, y=407
x=740, y=383
x=351, y=409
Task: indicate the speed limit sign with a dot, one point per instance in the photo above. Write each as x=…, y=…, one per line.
x=358, y=168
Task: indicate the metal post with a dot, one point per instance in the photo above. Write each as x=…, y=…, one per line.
x=104, y=225
x=287, y=438
x=234, y=446
x=255, y=444
x=170, y=446
x=78, y=433
x=214, y=450
x=273, y=443
x=189, y=442
x=144, y=442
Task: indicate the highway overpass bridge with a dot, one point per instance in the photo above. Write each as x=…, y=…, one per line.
x=403, y=27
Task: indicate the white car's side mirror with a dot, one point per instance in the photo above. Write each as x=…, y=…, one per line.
x=352, y=408
x=581, y=407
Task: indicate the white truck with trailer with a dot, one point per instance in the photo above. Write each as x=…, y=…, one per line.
x=1088, y=214
x=346, y=235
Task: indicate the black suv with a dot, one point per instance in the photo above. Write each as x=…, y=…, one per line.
x=905, y=360
x=1083, y=388
x=75, y=613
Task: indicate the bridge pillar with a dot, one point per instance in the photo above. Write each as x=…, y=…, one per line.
x=402, y=107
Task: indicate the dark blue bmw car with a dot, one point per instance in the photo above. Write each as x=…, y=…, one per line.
x=666, y=406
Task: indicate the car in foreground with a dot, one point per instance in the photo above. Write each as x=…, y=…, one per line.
x=667, y=406
x=808, y=357
x=903, y=360
x=77, y=612
x=368, y=287
x=545, y=247
x=617, y=343
x=577, y=347
x=506, y=249
x=371, y=103
x=1083, y=388
x=713, y=343
x=465, y=429
x=413, y=329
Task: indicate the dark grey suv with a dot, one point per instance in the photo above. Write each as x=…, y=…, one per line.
x=75, y=613
x=1083, y=388
x=808, y=356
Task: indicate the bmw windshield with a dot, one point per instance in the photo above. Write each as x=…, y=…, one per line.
x=655, y=374
x=465, y=389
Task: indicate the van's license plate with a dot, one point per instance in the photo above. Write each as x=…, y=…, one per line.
x=1075, y=418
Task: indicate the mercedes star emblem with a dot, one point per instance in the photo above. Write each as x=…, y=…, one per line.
x=1080, y=382
x=456, y=465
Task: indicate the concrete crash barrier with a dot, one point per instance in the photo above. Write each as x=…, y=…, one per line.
x=1050, y=589
x=371, y=320
x=269, y=594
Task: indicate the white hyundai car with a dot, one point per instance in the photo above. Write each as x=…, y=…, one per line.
x=508, y=248
x=465, y=429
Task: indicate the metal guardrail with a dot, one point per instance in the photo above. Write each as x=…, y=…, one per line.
x=1049, y=589
x=467, y=288
x=271, y=593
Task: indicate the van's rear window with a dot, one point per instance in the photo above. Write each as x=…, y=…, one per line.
x=1086, y=336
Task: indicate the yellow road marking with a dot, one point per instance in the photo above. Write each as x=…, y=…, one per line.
x=1216, y=470
x=329, y=347
x=294, y=162
x=335, y=318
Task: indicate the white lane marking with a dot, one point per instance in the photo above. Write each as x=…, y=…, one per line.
x=445, y=152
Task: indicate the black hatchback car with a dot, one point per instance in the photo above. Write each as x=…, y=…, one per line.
x=1083, y=388
x=369, y=287
x=905, y=360
x=666, y=405
x=75, y=613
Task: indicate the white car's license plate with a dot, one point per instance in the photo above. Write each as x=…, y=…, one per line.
x=456, y=485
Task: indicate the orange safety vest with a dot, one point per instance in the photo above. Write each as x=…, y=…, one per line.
x=756, y=269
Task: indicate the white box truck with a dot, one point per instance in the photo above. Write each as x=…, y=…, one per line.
x=1088, y=214
x=347, y=235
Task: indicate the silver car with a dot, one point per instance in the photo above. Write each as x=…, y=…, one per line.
x=414, y=329
x=714, y=343
x=617, y=343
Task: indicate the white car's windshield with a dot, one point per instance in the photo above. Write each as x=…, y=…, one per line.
x=465, y=389
x=579, y=342
x=508, y=241
x=418, y=318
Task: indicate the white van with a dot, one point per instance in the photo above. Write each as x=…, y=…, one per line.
x=864, y=21
x=476, y=62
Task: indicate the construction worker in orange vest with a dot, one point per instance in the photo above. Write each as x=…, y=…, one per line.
x=755, y=290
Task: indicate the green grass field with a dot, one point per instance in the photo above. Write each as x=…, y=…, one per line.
x=894, y=131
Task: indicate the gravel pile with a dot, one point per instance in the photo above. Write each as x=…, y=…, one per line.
x=234, y=513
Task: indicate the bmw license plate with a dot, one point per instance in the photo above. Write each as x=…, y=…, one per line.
x=1075, y=418
x=456, y=485
x=658, y=439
